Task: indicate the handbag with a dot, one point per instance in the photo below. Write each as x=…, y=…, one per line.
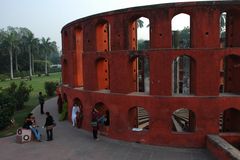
x=94, y=123
x=51, y=126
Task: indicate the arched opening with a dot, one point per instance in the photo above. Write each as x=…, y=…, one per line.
x=183, y=120
x=103, y=36
x=183, y=70
x=79, y=57
x=229, y=120
x=140, y=72
x=138, y=118
x=66, y=41
x=79, y=112
x=229, y=74
x=103, y=74
x=65, y=72
x=181, y=30
x=223, y=24
x=104, y=117
x=143, y=33
x=139, y=34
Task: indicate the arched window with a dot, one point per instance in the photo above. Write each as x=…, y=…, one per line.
x=223, y=22
x=229, y=120
x=140, y=73
x=229, y=74
x=103, y=74
x=104, y=117
x=183, y=68
x=79, y=57
x=139, y=34
x=103, y=36
x=183, y=120
x=181, y=31
x=138, y=118
x=79, y=118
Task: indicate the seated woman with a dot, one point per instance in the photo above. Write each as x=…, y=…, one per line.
x=30, y=123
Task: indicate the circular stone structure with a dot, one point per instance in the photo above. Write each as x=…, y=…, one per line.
x=167, y=93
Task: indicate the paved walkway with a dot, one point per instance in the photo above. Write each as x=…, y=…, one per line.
x=75, y=144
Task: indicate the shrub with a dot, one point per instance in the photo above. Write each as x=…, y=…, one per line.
x=55, y=70
x=3, y=77
x=6, y=110
x=50, y=88
x=21, y=74
x=19, y=94
x=63, y=115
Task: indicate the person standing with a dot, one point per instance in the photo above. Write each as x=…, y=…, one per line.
x=49, y=124
x=75, y=112
x=94, y=123
x=41, y=101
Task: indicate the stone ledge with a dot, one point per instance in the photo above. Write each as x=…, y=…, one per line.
x=222, y=145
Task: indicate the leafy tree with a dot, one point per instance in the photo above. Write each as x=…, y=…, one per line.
x=140, y=23
x=48, y=48
x=19, y=94
x=9, y=43
x=185, y=37
x=16, y=43
x=30, y=42
x=6, y=110
x=181, y=39
x=50, y=88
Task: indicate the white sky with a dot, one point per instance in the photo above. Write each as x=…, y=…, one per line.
x=45, y=18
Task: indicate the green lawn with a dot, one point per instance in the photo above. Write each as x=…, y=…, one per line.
x=37, y=84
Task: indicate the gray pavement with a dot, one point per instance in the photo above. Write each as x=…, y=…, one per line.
x=76, y=144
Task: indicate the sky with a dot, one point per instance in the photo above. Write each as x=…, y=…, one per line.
x=45, y=18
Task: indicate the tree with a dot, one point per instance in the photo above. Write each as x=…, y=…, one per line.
x=9, y=42
x=140, y=23
x=6, y=110
x=30, y=42
x=16, y=43
x=185, y=38
x=48, y=48
x=18, y=94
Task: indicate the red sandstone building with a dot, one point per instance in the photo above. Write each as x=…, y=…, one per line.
x=103, y=68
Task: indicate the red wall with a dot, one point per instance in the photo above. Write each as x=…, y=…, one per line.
x=205, y=102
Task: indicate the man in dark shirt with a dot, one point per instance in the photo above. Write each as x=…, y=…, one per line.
x=49, y=124
x=41, y=101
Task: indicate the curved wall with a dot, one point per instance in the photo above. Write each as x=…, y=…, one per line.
x=98, y=67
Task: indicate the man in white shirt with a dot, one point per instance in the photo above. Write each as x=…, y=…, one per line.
x=75, y=111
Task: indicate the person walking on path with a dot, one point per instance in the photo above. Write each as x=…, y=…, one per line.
x=41, y=101
x=75, y=112
x=49, y=124
x=94, y=123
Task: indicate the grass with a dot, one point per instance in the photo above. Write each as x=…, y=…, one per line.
x=37, y=84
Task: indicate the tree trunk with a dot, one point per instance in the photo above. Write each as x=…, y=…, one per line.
x=46, y=66
x=16, y=62
x=33, y=64
x=30, y=61
x=11, y=63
